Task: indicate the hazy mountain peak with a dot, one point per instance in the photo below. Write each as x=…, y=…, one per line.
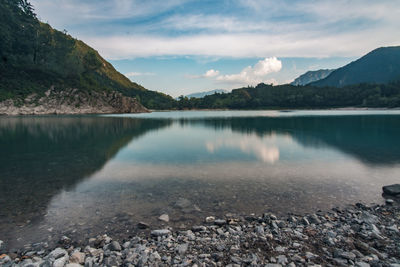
x=312, y=76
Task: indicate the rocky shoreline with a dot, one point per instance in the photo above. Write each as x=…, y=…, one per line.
x=72, y=101
x=359, y=235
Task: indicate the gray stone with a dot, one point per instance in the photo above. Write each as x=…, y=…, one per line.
x=60, y=262
x=155, y=256
x=199, y=228
x=260, y=230
x=340, y=261
x=305, y=221
x=362, y=264
x=77, y=257
x=190, y=235
x=143, y=225
x=389, y=201
x=73, y=265
x=313, y=218
x=392, y=190
x=219, y=222
x=112, y=261
x=115, y=246
x=210, y=219
x=161, y=232
x=57, y=253
x=89, y=262
x=236, y=260
x=347, y=255
x=164, y=218
x=182, y=248
x=220, y=232
x=393, y=228
x=310, y=255
x=282, y=259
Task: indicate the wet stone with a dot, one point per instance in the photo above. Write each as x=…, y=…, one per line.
x=393, y=190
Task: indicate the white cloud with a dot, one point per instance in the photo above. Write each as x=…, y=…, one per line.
x=322, y=28
x=211, y=73
x=134, y=74
x=251, y=75
x=240, y=45
x=70, y=12
x=208, y=74
x=254, y=75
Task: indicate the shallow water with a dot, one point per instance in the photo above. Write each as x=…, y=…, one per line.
x=84, y=175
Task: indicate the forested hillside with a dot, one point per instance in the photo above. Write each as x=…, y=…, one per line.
x=381, y=65
x=35, y=57
x=265, y=96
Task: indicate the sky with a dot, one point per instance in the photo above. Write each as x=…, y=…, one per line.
x=184, y=46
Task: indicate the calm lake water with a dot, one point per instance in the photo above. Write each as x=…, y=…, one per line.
x=85, y=175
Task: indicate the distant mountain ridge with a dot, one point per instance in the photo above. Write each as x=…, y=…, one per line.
x=311, y=76
x=379, y=66
x=203, y=94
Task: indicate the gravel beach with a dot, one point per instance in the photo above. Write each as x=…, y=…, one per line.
x=358, y=235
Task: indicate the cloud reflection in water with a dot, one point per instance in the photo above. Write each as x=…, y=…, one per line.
x=265, y=149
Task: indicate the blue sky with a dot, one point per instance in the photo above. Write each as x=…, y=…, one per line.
x=180, y=47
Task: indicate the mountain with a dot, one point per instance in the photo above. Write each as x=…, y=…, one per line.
x=311, y=76
x=42, y=67
x=380, y=66
x=203, y=94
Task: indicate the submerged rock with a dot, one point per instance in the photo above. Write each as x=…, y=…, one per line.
x=183, y=203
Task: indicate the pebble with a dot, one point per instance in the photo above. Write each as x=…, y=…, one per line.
x=389, y=201
x=210, y=219
x=77, y=257
x=115, y=246
x=164, y=218
x=143, y=225
x=161, y=232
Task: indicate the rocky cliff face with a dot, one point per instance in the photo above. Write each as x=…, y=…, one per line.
x=311, y=76
x=72, y=101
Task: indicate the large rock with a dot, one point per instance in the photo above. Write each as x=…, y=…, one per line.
x=393, y=190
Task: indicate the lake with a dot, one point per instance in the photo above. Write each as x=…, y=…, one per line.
x=85, y=175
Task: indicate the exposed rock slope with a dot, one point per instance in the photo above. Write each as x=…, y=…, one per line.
x=72, y=101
